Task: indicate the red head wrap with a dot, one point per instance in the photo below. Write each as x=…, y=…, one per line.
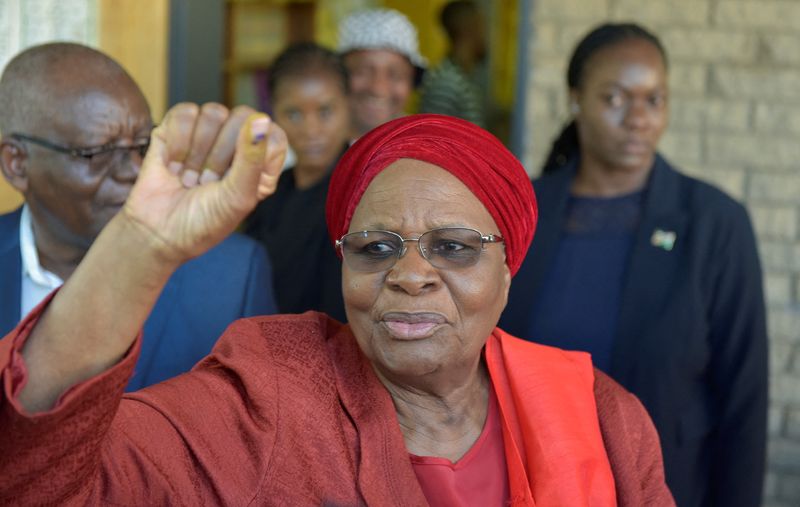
x=468, y=152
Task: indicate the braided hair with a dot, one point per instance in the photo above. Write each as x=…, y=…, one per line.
x=567, y=146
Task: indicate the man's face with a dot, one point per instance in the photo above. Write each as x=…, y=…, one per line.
x=74, y=197
x=381, y=82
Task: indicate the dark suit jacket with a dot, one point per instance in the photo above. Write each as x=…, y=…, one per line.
x=691, y=340
x=230, y=281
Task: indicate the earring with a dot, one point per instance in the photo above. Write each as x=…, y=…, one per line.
x=574, y=108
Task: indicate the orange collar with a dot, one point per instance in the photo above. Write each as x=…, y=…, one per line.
x=554, y=449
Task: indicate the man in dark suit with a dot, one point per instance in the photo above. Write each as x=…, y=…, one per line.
x=74, y=128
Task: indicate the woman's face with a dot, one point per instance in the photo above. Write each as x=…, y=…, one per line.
x=414, y=319
x=622, y=106
x=313, y=111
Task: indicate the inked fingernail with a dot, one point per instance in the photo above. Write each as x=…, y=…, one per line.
x=175, y=167
x=258, y=129
x=189, y=178
x=208, y=176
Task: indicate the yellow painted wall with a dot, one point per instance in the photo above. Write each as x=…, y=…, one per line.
x=9, y=198
x=136, y=33
x=504, y=51
x=425, y=16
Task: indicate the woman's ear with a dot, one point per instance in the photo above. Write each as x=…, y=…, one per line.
x=574, y=105
x=13, y=158
x=506, y=283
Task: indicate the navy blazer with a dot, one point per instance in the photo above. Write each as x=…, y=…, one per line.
x=230, y=281
x=691, y=338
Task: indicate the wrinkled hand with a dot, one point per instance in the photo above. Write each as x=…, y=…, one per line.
x=206, y=169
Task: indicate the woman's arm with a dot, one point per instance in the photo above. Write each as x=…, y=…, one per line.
x=632, y=446
x=153, y=447
x=172, y=214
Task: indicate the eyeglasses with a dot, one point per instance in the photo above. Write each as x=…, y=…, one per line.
x=94, y=154
x=444, y=248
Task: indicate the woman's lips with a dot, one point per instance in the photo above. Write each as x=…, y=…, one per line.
x=636, y=147
x=375, y=106
x=313, y=150
x=412, y=326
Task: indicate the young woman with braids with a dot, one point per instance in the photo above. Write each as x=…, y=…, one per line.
x=653, y=272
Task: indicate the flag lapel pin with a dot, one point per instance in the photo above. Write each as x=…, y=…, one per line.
x=663, y=239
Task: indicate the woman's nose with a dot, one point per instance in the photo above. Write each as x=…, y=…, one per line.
x=412, y=273
x=637, y=116
x=312, y=126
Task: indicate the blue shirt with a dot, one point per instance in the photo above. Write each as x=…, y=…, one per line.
x=580, y=299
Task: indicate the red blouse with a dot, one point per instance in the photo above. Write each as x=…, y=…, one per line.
x=479, y=478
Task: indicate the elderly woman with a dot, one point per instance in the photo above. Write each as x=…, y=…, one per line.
x=421, y=400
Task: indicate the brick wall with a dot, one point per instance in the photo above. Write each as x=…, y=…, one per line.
x=735, y=121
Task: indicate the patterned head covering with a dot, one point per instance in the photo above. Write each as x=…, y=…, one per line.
x=471, y=154
x=381, y=29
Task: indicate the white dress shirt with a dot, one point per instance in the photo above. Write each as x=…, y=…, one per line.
x=37, y=282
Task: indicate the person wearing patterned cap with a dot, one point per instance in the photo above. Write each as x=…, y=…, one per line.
x=381, y=51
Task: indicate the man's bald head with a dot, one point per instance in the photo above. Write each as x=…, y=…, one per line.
x=55, y=99
x=46, y=77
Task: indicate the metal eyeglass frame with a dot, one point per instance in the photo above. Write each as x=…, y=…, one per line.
x=485, y=238
x=88, y=152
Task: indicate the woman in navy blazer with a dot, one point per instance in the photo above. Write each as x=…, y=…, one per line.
x=653, y=272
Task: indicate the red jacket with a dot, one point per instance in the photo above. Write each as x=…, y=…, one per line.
x=287, y=411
